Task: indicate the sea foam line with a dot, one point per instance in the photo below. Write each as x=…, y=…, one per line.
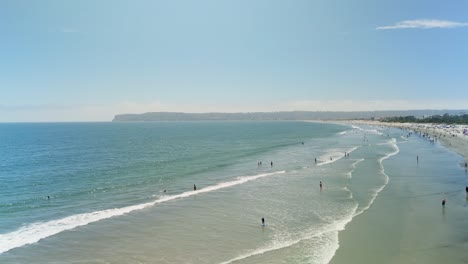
x=333, y=227
x=382, y=170
x=336, y=227
x=378, y=190
x=375, y=131
x=336, y=155
x=353, y=166
x=34, y=232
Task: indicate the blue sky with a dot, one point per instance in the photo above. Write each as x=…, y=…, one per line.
x=89, y=60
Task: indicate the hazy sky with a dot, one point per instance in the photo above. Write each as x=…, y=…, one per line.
x=88, y=60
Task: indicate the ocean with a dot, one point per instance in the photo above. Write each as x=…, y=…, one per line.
x=124, y=192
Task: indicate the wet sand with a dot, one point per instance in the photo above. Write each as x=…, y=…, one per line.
x=452, y=138
x=407, y=223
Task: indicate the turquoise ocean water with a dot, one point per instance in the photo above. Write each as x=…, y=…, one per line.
x=94, y=192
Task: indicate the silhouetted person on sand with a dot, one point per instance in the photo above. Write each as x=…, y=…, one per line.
x=194, y=187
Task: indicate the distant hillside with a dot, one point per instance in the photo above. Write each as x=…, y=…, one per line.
x=293, y=115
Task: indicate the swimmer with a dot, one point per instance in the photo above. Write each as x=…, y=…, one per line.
x=443, y=202
x=164, y=190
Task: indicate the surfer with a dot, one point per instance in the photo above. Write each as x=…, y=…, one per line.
x=194, y=187
x=443, y=202
x=263, y=221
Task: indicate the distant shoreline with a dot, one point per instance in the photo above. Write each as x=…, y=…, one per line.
x=278, y=116
x=452, y=138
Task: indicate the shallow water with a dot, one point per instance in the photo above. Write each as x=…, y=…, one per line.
x=106, y=203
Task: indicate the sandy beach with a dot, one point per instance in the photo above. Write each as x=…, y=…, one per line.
x=451, y=136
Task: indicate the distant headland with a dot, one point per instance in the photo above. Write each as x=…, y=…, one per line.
x=286, y=115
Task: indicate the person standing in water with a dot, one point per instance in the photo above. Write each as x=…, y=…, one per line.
x=417, y=159
x=271, y=164
x=263, y=221
x=315, y=160
x=320, y=185
x=194, y=187
x=443, y=202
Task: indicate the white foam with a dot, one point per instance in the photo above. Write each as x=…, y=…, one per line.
x=34, y=232
x=332, y=228
x=382, y=169
x=342, y=133
x=335, y=154
x=372, y=131
x=350, y=173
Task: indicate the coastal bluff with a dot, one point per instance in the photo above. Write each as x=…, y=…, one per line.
x=266, y=116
